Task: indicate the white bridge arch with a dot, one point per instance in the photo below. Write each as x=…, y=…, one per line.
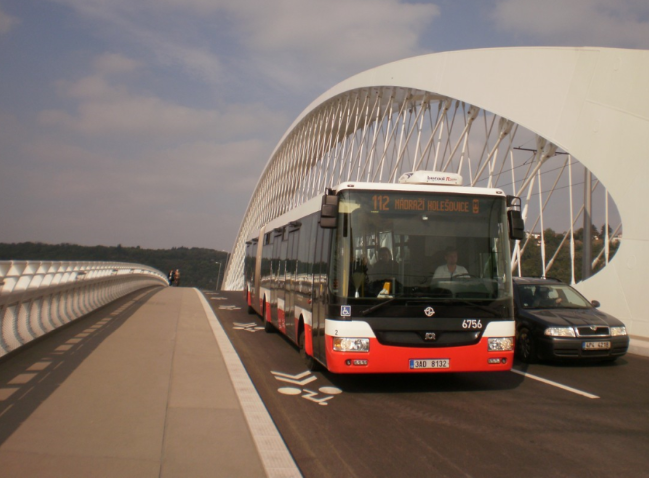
x=470, y=112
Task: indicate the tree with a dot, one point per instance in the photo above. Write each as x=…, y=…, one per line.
x=531, y=261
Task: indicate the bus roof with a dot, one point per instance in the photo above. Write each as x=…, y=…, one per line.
x=426, y=188
x=314, y=204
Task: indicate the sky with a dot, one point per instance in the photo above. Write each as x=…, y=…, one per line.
x=148, y=122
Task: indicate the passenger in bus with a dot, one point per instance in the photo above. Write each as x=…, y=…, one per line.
x=385, y=267
x=451, y=269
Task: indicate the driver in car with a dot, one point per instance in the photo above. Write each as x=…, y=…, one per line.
x=451, y=269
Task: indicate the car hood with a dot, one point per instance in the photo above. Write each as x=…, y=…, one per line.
x=572, y=317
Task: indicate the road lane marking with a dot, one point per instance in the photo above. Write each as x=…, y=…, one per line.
x=250, y=327
x=311, y=396
x=301, y=380
x=552, y=383
x=291, y=376
x=229, y=308
x=274, y=453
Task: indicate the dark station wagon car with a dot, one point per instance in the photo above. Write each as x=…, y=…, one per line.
x=555, y=322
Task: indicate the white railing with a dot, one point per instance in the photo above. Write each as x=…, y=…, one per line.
x=37, y=297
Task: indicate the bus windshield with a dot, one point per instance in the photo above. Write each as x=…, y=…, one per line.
x=391, y=245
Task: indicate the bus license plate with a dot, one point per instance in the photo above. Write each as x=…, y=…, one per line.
x=595, y=346
x=429, y=363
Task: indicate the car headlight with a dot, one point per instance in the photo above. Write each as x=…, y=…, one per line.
x=560, y=332
x=618, y=331
x=351, y=344
x=500, y=343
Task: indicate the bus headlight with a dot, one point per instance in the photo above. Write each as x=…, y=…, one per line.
x=351, y=344
x=560, y=332
x=500, y=344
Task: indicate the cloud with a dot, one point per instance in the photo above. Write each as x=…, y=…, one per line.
x=172, y=42
x=170, y=128
x=301, y=44
x=290, y=42
x=109, y=109
x=112, y=63
x=7, y=22
x=599, y=23
x=197, y=192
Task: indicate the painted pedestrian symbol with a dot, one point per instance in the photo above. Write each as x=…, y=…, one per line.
x=303, y=379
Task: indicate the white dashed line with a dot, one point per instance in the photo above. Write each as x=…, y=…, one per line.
x=561, y=386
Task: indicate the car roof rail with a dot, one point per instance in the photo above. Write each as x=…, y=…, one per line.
x=541, y=278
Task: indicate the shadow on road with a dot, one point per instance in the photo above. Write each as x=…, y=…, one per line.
x=29, y=375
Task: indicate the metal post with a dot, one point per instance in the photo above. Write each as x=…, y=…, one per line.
x=586, y=234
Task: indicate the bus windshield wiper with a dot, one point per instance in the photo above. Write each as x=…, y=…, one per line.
x=475, y=304
x=377, y=306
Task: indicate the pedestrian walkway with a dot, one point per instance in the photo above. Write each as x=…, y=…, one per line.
x=148, y=386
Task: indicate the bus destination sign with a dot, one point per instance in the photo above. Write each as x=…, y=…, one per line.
x=388, y=203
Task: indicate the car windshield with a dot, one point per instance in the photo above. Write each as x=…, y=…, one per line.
x=550, y=296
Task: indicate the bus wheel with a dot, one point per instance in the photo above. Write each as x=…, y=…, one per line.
x=250, y=308
x=268, y=327
x=309, y=361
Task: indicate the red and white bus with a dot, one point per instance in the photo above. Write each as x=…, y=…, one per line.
x=363, y=279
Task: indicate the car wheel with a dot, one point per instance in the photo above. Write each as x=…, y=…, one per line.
x=309, y=361
x=525, y=348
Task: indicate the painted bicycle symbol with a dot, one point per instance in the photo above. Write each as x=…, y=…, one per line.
x=303, y=379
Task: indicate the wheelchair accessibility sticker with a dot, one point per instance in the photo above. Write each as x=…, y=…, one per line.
x=346, y=311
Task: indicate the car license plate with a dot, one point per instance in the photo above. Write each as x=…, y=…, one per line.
x=429, y=363
x=596, y=346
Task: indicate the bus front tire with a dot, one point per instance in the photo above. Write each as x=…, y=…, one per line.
x=309, y=361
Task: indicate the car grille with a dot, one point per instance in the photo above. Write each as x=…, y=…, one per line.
x=593, y=331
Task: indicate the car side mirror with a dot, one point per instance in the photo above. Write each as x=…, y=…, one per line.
x=596, y=304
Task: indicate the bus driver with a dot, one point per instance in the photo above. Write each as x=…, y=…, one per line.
x=451, y=269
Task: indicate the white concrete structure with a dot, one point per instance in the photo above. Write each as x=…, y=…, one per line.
x=37, y=297
x=590, y=103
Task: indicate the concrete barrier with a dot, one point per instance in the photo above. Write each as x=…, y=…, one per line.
x=37, y=297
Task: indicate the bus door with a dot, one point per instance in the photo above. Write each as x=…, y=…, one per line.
x=277, y=273
x=282, y=282
x=320, y=293
x=290, y=285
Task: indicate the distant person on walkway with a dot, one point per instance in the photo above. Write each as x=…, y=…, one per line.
x=170, y=277
x=177, y=277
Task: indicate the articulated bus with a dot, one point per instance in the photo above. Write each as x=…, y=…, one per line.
x=390, y=278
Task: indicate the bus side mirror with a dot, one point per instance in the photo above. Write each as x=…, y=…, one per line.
x=515, y=222
x=329, y=211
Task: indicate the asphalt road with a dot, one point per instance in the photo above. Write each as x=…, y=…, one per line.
x=545, y=420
